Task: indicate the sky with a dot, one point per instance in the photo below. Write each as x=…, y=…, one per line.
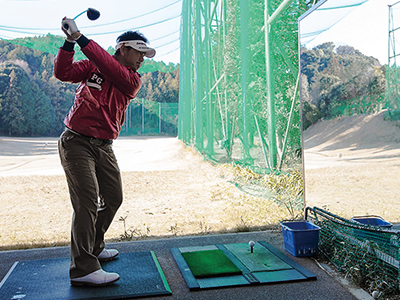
x=365, y=27
x=158, y=20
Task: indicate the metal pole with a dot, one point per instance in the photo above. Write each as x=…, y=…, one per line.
x=185, y=78
x=198, y=77
x=208, y=73
x=278, y=11
x=289, y=124
x=262, y=143
x=388, y=97
x=228, y=137
x=142, y=116
x=182, y=78
x=270, y=90
x=189, y=74
x=159, y=118
x=244, y=24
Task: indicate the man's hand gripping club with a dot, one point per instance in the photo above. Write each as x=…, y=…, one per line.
x=70, y=29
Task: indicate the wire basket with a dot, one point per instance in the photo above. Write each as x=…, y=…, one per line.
x=367, y=254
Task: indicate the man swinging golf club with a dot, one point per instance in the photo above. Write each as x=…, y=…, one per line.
x=106, y=86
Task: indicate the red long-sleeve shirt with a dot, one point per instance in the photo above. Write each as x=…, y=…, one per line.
x=105, y=90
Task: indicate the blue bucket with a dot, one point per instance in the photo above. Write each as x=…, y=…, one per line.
x=372, y=221
x=300, y=237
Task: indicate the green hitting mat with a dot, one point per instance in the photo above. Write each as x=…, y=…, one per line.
x=48, y=279
x=224, y=265
x=210, y=263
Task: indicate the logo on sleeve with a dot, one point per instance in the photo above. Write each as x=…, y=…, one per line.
x=95, y=81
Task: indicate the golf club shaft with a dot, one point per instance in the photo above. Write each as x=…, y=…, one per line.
x=66, y=25
x=80, y=14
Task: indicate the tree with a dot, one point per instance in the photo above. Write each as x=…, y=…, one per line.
x=42, y=115
x=34, y=102
x=12, y=119
x=340, y=82
x=160, y=87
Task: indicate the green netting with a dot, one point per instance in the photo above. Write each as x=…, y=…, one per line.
x=145, y=117
x=238, y=98
x=393, y=71
x=369, y=255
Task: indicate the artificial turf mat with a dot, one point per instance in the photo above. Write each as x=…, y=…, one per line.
x=265, y=265
x=210, y=263
x=48, y=279
x=260, y=260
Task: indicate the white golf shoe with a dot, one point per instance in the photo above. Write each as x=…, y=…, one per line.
x=108, y=254
x=96, y=278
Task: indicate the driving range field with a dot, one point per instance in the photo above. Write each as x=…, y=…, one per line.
x=352, y=166
x=352, y=169
x=169, y=190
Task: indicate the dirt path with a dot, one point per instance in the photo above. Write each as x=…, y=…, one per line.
x=39, y=156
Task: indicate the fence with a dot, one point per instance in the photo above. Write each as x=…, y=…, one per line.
x=144, y=117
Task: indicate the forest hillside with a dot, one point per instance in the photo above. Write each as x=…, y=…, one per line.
x=340, y=81
x=34, y=103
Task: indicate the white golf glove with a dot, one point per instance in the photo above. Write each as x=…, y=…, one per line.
x=69, y=25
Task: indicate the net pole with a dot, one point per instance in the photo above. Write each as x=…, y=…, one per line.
x=159, y=118
x=270, y=90
x=262, y=143
x=143, y=116
x=227, y=114
x=388, y=72
x=244, y=24
x=198, y=78
x=189, y=72
x=182, y=79
x=279, y=10
x=289, y=125
x=186, y=75
x=208, y=76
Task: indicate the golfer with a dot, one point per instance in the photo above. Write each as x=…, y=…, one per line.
x=106, y=86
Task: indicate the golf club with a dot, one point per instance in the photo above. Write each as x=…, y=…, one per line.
x=91, y=13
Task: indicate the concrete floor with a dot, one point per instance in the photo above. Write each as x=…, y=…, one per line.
x=327, y=286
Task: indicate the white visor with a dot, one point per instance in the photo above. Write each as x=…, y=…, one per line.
x=139, y=46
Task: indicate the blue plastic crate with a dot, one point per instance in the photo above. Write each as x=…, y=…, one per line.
x=300, y=237
x=372, y=220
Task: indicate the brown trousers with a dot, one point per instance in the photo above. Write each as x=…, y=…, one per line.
x=92, y=173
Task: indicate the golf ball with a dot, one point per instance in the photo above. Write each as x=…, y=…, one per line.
x=375, y=294
x=251, y=244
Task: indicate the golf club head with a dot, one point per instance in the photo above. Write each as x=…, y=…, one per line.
x=92, y=14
